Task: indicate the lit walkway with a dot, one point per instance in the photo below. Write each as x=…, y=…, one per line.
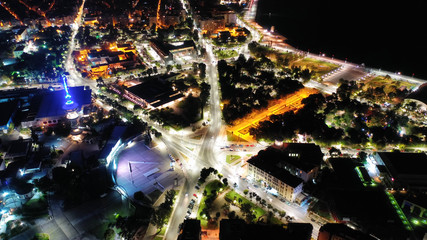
x=288, y=103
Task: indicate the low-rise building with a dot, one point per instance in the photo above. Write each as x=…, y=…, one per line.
x=18, y=149
x=153, y=93
x=173, y=51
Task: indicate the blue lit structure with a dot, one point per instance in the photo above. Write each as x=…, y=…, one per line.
x=67, y=93
x=69, y=105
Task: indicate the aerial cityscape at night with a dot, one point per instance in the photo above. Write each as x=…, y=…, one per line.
x=212, y=119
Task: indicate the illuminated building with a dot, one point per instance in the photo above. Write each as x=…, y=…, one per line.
x=113, y=145
x=285, y=168
x=100, y=62
x=153, y=93
x=173, y=51
x=47, y=107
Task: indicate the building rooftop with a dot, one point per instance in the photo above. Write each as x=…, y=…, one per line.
x=268, y=161
x=399, y=163
x=341, y=230
x=345, y=174
x=52, y=102
x=118, y=133
x=18, y=148
x=155, y=91
x=232, y=229
x=167, y=48
x=191, y=230
x=7, y=110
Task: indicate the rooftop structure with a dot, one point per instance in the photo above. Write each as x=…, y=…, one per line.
x=154, y=92
x=100, y=62
x=368, y=208
x=172, y=51
x=404, y=170
x=48, y=108
x=18, y=149
x=264, y=167
x=231, y=229
x=342, y=232
x=348, y=174
x=113, y=145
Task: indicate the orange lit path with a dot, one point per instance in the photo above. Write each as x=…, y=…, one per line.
x=51, y=5
x=288, y=103
x=158, y=15
x=39, y=12
x=3, y=4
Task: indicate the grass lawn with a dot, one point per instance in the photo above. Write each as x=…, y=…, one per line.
x=224, y=54
x=259, y=212
x=213, y=185
x=318, y=67
x=158, y=238
x=233, y=195
x=163, y=231
x=231, y=158
x=388, y=83
x=42, y=236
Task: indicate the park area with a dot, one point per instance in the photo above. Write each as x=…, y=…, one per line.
x=225, y=54
x=389, y=84
x=317, y=67
x=220, y=201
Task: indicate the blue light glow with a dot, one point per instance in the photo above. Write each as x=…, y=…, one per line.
x=67, y=93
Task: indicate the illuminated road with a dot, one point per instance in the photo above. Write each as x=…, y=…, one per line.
x=290, y=102
x=75, y=78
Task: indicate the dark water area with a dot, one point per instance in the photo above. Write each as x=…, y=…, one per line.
x=381, y=34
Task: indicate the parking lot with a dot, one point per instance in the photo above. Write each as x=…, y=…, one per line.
x=143, y=169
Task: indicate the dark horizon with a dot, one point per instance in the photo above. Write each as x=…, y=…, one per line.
x=386, y=36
